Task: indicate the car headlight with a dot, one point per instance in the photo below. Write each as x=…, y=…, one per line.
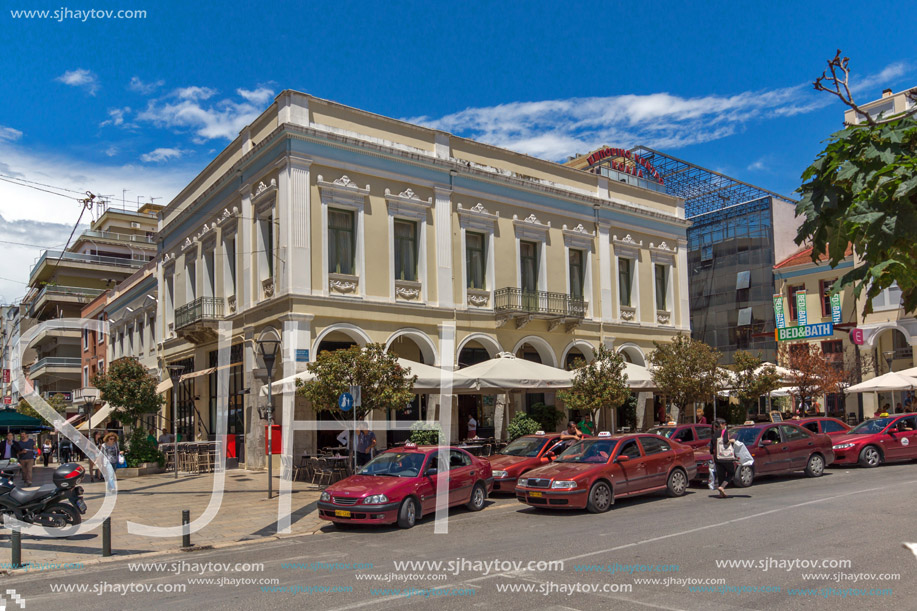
x=523, y=482
x=325, y=497
x=844, y=446
x=567, y=485
x=376, y=499
x=499, y=474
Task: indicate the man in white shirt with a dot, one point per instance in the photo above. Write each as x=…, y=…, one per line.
x=472, y=427
x=344, y=439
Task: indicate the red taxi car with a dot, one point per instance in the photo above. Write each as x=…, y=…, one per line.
x=821, y=424
x=399, y=486
x=592, y=473
x=522, y=455
x=694, y=435
x=878, y=440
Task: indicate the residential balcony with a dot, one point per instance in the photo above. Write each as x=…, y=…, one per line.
x=58, y=336
x=56, y=366
x=525, y=306
x=196, y=321
x=118, y=237
x=43, y=268
x=75, y=295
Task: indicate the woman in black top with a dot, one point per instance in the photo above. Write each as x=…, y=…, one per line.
x=723, y=452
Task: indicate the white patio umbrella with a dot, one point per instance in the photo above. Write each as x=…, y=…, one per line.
x=507, y=373
x=639, y=377
x=428, y=378
x=889, y=382
x=912, y=372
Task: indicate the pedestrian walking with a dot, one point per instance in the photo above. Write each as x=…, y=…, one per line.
x=9, y=448
x=366, y=441
x=111, y=450
x=65, y=450
x=94, y=473
x=724, y=456
x=46, y=449
x=26, y=457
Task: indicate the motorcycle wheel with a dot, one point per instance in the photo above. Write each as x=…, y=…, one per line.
x=70, y=515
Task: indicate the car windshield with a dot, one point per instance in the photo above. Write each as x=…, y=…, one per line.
x=525, y=446
x=746, y=436
x=665, y=431
x=394, y=464
x=870, y=426
x=588, y=450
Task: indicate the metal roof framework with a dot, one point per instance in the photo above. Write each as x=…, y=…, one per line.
x=703, y=190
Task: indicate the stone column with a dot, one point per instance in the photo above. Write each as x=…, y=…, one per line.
x=443, y=224
x=294, y=212
x=605, y=267
x=254, y=433
x=245, y=279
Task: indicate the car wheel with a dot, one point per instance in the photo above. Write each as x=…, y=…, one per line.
x=407, y=514
x=599, y=498
x=478, y=496
x=870, y=457
x=816, y=466
x=744, y=476
x=678, y=483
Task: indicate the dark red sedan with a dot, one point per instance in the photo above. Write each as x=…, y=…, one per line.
x=821, y=424
x=878, y=440
x=780, y=448
x=592, y=473
x=399, y=486
x=522, y=455
x=694, y=435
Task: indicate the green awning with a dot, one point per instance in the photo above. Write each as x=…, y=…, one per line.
x=11, y=419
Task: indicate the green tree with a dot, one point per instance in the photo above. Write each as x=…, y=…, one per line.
x=862, y=191
x=521, y=425
x=383, y=382
x=427, y=434
x=55, y=401
x=685, y=370
x=547, y=416
x=601, y=383
x=129, y=388
x=750, y=380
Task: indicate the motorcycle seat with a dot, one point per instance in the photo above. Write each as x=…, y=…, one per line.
x=27, y=495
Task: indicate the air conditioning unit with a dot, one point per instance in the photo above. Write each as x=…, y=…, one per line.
x=135, y=225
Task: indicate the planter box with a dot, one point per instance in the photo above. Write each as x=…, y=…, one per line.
x=147, y=468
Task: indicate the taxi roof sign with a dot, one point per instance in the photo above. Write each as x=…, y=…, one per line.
x=539, y=432
x=410, y=445
x=604, y=434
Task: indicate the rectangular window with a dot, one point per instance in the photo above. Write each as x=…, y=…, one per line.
x=662, y=287
x=791, y=301
x=169, y=300
x=190, y=283
x=85, y=339
x=625, y=280
x=100, y=333
x=229, y=248
x=475, y=259
x=577, y=274
x=341, y=243
x=528, y=256
x=825, y=286
x=210, y=274
x=86, y=376
x=141, y=330
x=101, y=366
x=152, y=331
x=405, y=250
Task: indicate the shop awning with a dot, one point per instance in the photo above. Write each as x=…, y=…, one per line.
x=164, y=386
x=196, y=374
x=97, y=418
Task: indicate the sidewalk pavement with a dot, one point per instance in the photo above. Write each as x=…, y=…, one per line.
x=158, y=500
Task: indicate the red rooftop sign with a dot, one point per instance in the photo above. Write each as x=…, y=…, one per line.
x=626, y=162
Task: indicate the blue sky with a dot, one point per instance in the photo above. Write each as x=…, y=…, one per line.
x=143, y=104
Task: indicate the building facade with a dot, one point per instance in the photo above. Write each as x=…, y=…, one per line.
x=886, y=107
x=338, y=227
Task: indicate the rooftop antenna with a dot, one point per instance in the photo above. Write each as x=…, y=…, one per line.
x=123, y=201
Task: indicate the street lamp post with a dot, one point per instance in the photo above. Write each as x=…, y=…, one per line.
x=89, y=397
x=889, y=357
x=175, y=372
x=268, y=345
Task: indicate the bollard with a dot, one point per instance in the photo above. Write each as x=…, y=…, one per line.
x=16, y=541
x=186, y=532
x=106, y=537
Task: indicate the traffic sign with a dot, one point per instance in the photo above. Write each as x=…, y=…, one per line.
x=825, y=329
x=345, y=401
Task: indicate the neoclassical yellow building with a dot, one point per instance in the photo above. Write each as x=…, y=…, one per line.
x=338, y=226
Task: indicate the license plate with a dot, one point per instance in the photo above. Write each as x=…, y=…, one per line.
x=341, y=513
x=81, y=505
x=536, y=495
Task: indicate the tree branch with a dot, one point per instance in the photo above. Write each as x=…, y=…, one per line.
x=835, y=83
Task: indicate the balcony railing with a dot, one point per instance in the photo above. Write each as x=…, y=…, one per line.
x=76, y=257
x=56, y=361
x=121, y=237
x=542, y=304
x=202, y=308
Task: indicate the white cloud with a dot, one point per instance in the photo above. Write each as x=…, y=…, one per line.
x=9, y=134
x=80, y=78
x=162, y=154
x=757, y=166
x=31, y=238
x=116, y=117
x=555, y=129
x=145, y=88
x=111, y=151
x=883, y=79
x=185, y=110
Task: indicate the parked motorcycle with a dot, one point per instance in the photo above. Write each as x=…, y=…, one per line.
x=53, y=505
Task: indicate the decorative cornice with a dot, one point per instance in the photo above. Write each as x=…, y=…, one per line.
x=262, y=190
x=531, y=227
x=343, y=186
x=477, y=217
x=627, y=240
x=579, y=237
x=664, y=248
x=407, y=203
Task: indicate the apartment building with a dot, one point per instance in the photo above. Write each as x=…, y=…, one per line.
x=337, y=227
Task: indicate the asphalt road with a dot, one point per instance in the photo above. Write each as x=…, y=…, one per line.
x=856, y=519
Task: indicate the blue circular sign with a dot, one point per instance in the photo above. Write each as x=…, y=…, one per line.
x=345, y=401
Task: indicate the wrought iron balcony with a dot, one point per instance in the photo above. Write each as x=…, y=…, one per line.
x=199, y=310
x=512, y=302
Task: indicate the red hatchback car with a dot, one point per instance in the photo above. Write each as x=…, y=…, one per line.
x=399, y=486
x=828, y=426
x=878, y=440
x=592, y=473
x=694, y=435
x=522, y=455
